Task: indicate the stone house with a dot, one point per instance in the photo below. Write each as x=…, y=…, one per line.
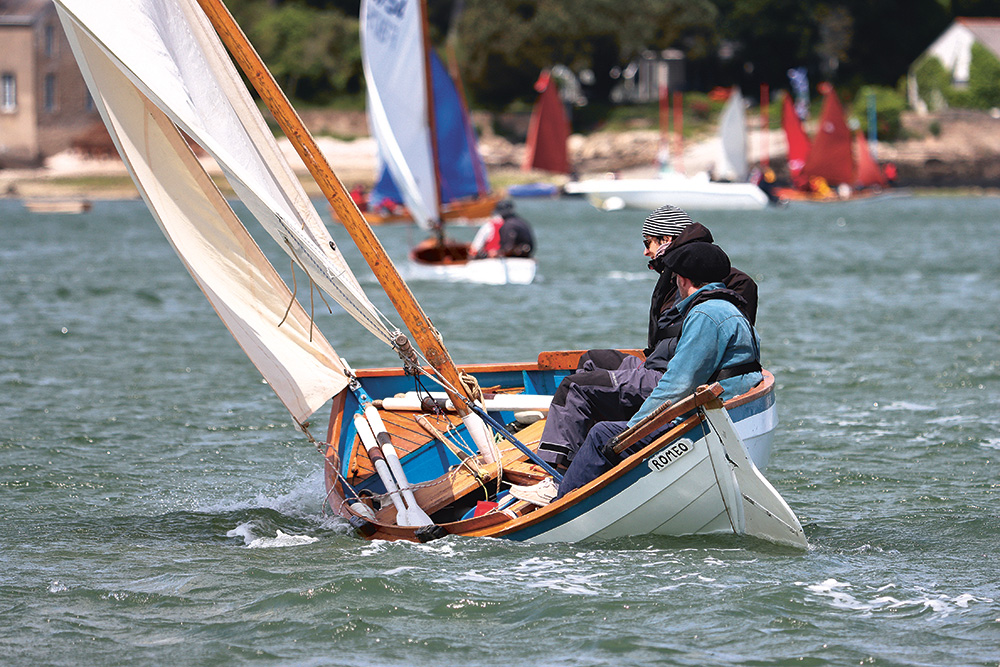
x=44, y=102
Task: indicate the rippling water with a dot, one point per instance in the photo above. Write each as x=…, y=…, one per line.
x=159, y=508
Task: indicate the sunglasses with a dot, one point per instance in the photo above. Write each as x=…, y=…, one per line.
x=648, y=241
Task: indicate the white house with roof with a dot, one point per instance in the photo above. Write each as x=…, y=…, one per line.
x=954, y=50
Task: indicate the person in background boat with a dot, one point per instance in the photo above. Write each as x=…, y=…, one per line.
x=765, y=179
x=611, y=385
x=890, y=173
x=360, y=197
x=819, y=187
x=506, y=234
x=388, y=207
x=717, y=343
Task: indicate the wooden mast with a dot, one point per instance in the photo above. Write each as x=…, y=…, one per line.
x=424, y=333
x=431, y=120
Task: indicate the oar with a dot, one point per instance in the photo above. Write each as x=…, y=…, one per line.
x=414, y=515
x=375, y=456
x=435, y=432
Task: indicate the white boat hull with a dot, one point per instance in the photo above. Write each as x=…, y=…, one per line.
x=489, y=271
x=711, y=487
x=687, y=193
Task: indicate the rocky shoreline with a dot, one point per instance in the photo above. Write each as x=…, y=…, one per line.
x=955, y=149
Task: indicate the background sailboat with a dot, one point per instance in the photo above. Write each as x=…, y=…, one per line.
x=399, y=68
x=836, y=164
x=548, y=136
x=697, y=192
x=466, y=195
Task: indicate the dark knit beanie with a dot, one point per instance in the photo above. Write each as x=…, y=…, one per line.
x=699, y=262
x=666, y=221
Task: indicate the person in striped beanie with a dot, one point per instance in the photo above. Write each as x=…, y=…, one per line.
x=609, y=382
x=666, y=221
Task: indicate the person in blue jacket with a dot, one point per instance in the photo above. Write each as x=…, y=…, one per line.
x=717, y=343
x=611, y=385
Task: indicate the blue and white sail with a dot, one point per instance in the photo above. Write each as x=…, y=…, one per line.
x=392, y=53
x=461, y=170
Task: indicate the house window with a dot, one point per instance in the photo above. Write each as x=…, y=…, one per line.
x=50, y=41
x=50, y=92
x=8, y=94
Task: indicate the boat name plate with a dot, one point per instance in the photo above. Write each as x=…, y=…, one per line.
x=667, y=456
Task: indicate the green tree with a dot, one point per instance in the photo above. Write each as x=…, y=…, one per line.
x=314, y=54
x=933, y=81
x=984, y=78
x=889, y=108
x=506, y=43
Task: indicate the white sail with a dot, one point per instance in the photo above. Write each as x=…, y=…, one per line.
x=733, y=164
x=392, y=52
x=170, y=52
x=154, y=66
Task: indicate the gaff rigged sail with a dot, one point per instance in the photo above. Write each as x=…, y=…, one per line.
x=831, y=155
x=548, y=130
x=155, y=68
x=798, y=140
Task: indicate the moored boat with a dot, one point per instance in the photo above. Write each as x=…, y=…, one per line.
x=695, y=192
x=58, y=205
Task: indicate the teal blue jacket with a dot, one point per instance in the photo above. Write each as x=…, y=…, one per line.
x=716, y=335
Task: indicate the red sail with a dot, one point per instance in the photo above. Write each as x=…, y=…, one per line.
x=869, y=173
x=798, y=140
x=548, y=131
x=831, y=156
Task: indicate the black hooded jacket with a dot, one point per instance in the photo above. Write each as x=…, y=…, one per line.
x=665, y=321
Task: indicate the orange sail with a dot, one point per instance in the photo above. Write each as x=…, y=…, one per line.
x=831, y=156
x=798, y=140
x=869, y=173
x=548, y=131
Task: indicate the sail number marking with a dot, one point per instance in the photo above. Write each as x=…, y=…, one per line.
x=667, y=456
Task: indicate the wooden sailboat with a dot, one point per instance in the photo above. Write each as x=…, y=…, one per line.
x=418, y=452
x=698, y=192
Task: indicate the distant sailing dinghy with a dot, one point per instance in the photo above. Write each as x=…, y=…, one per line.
x=405, y=80
x=466, y=197
x=696, y=192
x=836, y=165
x=548, y=136
x=427, y=449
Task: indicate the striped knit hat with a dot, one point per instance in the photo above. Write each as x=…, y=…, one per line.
x=666, y=221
